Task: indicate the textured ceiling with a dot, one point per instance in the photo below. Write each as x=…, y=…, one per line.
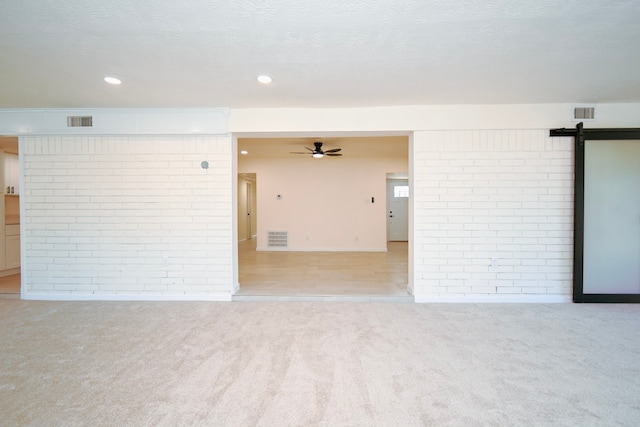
x=320, y=53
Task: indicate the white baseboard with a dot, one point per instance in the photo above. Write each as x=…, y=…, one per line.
x=460, y=299
x=497, y=299
x=125, y=297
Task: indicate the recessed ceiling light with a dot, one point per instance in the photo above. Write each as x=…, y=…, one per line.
x=112, y=80
x=264, y=79
x=244, y=152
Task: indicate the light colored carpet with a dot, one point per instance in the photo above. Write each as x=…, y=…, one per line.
x=318, y=363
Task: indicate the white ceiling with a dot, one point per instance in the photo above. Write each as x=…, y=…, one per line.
x=320, y=53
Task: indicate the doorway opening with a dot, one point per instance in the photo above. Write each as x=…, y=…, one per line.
x=10, y=277
x=397, y=207
x=332, y=212
x=247, y=216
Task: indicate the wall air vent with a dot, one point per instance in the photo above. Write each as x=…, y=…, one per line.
x=277, y=239
x=584, y=113
x=79, y=121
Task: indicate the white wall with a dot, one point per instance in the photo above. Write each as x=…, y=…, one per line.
x=136, y=217
x=127, y=217
x=325, y=203
x=493, y=216
x=114, y=121
x=424, y=117
x=492, y=213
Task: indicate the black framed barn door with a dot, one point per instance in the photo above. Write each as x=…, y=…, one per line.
x=606, y=214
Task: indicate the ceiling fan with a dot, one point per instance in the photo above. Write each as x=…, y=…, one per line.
x=318, y=152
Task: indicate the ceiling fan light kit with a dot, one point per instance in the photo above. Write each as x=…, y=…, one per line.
x=264, y=79
x=318, y=153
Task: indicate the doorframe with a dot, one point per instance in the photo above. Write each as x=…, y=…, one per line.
x=249, y=210
x=13, y=149
x=234, y=192
x=405, y=179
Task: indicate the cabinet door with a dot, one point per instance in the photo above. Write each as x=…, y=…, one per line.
x=12, y=251
x=15, y=174
x=11, y=174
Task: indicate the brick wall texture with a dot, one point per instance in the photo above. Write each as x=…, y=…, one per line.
x=127, y=216
x=138, y=216
x=493, y=213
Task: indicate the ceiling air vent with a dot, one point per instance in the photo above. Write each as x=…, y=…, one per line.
x=584, y=113
x=277, y=239
x=79, y=121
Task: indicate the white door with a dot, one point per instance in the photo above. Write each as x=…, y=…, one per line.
x=397, y=210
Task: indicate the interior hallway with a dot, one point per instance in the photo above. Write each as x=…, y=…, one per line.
x=283, y=275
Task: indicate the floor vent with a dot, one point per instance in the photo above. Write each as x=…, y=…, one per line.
x=584, y=113
x=79, y=121
x=277, y=239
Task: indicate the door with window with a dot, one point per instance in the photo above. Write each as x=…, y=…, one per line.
x=612, y=218
x=606, y=250
x=397, y=210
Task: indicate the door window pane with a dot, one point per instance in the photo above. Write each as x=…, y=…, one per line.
x=401, y=191
x=612, y=217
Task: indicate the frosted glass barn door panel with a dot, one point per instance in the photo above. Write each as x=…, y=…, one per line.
x=612, y=217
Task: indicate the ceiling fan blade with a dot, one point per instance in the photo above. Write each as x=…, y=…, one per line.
x=333, y=150
x=332, y=154
x=309, y=149
x=298, y=152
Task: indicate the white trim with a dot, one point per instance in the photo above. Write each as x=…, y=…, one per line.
x=24, y=263
x=126, y=297
x=498, y=299
x=403, y=119
x=119, y=121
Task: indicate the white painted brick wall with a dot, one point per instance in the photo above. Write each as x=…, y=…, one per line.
x=127, y=217
x=493, y=215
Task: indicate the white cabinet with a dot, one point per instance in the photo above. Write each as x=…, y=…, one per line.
x=11, y=174
x=12, y=246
